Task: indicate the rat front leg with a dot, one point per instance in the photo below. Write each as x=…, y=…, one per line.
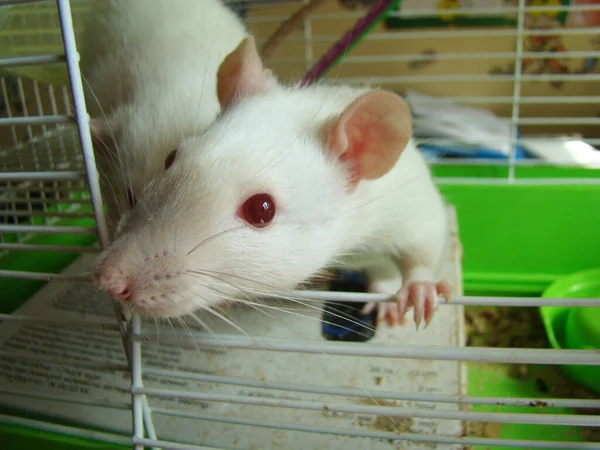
x=419, y=264
x=420, y=257
x=385, y=278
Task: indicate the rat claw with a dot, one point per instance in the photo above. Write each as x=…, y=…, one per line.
x=431, y=304
x=393, y=315
x=402, y=300
x=423, y=297
x=444, y=288
x=381, y=313
x=369, y=308
x=418, y=301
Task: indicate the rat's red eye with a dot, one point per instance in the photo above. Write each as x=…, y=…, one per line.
x=258, y=210
x=170, y=159
x=131, y=198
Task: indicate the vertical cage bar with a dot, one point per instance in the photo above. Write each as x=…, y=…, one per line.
x=9, y=111
x=308, y=50
x=83, y=120
x=24, y=107
x=61, y=143
x=516, y=97
x=136, y=382
x=149, y=424
x=85, y=138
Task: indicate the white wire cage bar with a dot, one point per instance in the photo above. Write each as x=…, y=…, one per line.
x=25, y=169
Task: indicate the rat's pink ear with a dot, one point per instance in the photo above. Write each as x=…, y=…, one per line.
x=371, y=134
x=242, y=73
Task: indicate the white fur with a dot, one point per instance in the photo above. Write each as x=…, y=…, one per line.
x=151, y=68
x=273, y=143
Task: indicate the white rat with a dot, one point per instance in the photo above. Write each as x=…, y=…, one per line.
x=286, y=182
x=150, y=68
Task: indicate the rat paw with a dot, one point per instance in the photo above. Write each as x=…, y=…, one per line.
x=386, y=311
x=422, y=296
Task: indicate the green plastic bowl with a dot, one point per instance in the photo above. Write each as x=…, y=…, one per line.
x=575, y=328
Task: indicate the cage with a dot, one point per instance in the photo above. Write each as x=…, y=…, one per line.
x=503, y=95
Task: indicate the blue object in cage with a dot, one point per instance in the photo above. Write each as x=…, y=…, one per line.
x=343, y=321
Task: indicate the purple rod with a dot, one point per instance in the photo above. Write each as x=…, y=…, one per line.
x=341, y=46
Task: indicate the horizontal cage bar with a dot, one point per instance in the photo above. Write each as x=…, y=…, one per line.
x=393, y=411
x=427, y=13
x=61, y=323
x=421, y=352
x=47, y=248
x=46, y=229
x=324, y=296
x=40, y=276
x=394, y=437
x=63, y=399
x=31, y=60
x=41, y=176
x=377, y=394
x=458, y=56
x=103, y=366
x=459, y=78
x=448, y=34
x=34, y=120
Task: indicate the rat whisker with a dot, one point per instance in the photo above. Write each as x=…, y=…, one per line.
x=297, y=313
x=233, y=324
x=337, y=315
x=157, y=328
x=213, y=237
x=189, y=332
x=212, y=41
x=245, y=291
x=246, y=302
x=198, y=274
x=112, y=156
x=104, y=177
x=214, y=272
x=102, y=111
x=170, y=323
x=206, y=327
x=385, y=194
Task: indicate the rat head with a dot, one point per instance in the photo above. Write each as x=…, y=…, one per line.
x=258, y=203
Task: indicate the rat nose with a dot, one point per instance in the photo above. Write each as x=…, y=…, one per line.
x=120, y=291
x=115, y=283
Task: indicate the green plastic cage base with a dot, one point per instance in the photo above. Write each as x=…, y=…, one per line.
x=17, y=291
x=15, y=437
x=494, y=380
